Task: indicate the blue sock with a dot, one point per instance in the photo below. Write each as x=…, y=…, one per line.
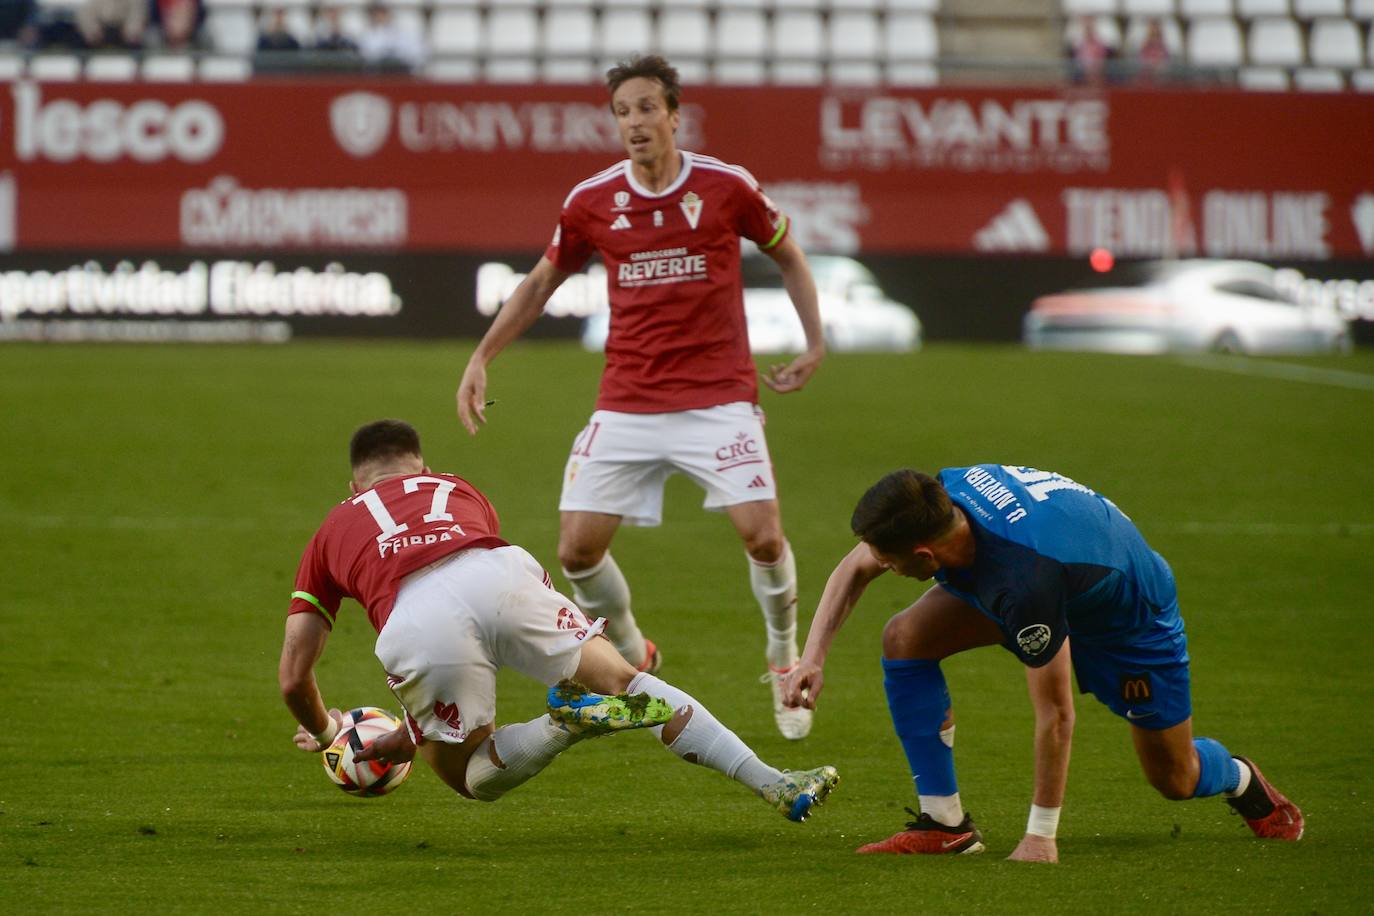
x=919, y=701
x=1217, y=770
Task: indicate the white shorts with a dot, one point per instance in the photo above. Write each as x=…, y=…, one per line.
x=620, y=461
x=457, y=622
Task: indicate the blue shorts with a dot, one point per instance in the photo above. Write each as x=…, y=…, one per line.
x=1144, y=681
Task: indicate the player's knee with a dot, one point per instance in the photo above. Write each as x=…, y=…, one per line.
x=576, y=558
x=901, y=639
x=765, y=546
x=1175, y=785
x=453, y=763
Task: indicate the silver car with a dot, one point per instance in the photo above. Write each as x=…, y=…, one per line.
x=855, y=313
x=1186, y=306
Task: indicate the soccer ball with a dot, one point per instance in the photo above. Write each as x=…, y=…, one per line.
x=367, y=778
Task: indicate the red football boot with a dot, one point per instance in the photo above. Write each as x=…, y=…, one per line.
x=927, y=836
x=1269, y=814
x=652, y=660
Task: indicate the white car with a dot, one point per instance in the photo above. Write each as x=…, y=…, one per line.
x=1186, y=306
x=855, y=313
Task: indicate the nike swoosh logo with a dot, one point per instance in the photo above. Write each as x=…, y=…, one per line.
x=955, y=842
x=1133, y=715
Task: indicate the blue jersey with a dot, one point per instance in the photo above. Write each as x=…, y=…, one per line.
x=1054, y=559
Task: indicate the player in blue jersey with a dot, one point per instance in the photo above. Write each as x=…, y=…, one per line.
x=1056, y=574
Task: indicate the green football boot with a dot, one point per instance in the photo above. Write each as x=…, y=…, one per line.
x=584, y=712
x=800, y=790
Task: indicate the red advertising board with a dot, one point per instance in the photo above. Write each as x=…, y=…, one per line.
x=402, y=166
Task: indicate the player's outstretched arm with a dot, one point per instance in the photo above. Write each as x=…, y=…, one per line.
x=1051, y=694
x=306, y=635
x=842, y=591
x=801, y=289
x=516, y=315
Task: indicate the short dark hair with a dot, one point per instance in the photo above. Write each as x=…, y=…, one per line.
x=650, y=67
x=383, y=439
x=903, y=509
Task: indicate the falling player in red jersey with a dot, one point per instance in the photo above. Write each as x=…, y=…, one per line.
x=679, y=393
x=453, y=603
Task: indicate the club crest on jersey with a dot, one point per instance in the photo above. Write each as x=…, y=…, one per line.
x=569, y=619
x=449, y=714
x=691, y=208
x=1034, y=639
x=622, y=201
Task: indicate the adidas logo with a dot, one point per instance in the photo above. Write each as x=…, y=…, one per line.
x=1016, y=228
x=621, y=222
x=758, y=481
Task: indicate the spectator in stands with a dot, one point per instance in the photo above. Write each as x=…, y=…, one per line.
x=330, y=35
x=177, y=21
x=19, y=22
x=275, y=35
x=1152, y=57
x=1088, y=53
x=388, y=43
x=112, y=23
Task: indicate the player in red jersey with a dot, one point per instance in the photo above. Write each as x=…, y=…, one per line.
x=679, y=393
x=452, y=603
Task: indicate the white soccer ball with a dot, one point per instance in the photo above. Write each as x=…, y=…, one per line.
x=365, y=778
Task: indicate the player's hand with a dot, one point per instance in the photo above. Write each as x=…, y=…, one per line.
x=793, y=376
x=803, y=685
x=393, y=747
x=306, y=741
x=1035, y=848
x=472, y=397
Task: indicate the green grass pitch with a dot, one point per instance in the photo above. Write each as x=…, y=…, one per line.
x=154, y=503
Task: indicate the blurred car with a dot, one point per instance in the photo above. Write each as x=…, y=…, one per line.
x=855, y=313
x=1185, y=306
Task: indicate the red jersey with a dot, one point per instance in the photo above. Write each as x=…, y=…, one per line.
x=678, y=338
x=373, y=540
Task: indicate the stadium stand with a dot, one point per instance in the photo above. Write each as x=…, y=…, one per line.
x=1256, y=9
x=1214, y=42
x=112, y=68
x=1316, y=45
x=1138, y=26
x=1275, y=42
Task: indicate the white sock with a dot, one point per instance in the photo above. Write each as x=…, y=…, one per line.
x=524, y=749
x=704, y=739
x=775, y=589
x=945, y=809
x=1244, y=780
x=603, y=592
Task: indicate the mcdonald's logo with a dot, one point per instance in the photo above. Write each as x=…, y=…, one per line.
x=1135, y=688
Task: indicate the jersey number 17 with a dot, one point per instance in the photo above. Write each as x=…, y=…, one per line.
x=438, y=507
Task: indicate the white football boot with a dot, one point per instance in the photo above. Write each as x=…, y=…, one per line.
x=794, y=724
